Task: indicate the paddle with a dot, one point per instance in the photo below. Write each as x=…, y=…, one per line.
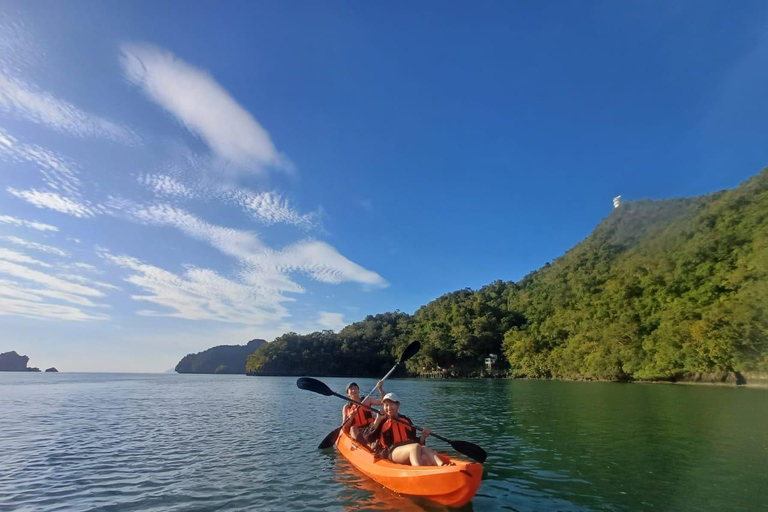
x=471, y=450
x=408, y=353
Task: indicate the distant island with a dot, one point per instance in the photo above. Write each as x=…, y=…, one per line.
x=668, y=290
x=13, y=362
x=222, y=359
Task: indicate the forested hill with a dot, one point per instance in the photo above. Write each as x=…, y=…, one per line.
x=221, y=359
x=660, y=289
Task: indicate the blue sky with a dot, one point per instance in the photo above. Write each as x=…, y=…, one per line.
x=177, y=178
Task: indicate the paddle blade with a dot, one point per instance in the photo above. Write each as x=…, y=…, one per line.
x=410, y=351
x=330, y=439
x=314, y=385
x=471, y=450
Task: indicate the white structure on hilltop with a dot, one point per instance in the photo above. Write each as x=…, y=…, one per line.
x=617, y=201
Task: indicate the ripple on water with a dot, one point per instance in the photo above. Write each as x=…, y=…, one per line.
x=182, y=443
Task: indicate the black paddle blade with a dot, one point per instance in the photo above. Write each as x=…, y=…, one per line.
x=409, y=351
x=471, y=450
x=330, y=439
x=314, y=385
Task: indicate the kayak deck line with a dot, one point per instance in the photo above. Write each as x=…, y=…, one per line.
x=451, y=485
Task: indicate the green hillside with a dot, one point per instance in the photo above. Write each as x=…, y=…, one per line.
x=221, y=359
x=660, y=289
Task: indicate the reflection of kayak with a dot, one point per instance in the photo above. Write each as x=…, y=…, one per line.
x=452, y=485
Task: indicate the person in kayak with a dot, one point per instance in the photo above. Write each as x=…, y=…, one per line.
x=361, y=417
x=397, y=441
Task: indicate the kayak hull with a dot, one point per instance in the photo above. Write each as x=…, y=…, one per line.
x=453, y=485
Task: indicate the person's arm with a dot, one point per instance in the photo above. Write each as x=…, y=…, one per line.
x=374, y=429
x=424, y=434
x=345, y=413
x=377, y=401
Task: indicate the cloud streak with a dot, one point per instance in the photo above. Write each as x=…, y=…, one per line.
x=56, y=202
x=27, y=102
x=199, y=294
x=31, y=224
x=34, y=245
x=38, y=293
x=203, y=106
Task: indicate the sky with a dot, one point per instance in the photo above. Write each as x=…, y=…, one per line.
x=178, y=176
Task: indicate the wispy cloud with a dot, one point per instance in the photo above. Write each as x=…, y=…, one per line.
x=266, y=207
x=34, y=245
x=264, y=277
x=366, y=204
x=54, y=201
x=58, y=173
x=29, y=103
x=317, y=259
x=203, y=106
x=331, y=321
x=199, y=294
x=35, y=293
x=164, y=185
x=272, y=208
x=15, y=221
x=17, y=257
x=324, y=263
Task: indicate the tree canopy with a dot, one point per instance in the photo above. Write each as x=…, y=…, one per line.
x=658, y=290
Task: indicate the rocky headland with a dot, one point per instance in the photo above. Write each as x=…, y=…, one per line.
x=13, y=362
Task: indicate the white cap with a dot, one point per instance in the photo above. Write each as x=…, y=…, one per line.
x=392, y=397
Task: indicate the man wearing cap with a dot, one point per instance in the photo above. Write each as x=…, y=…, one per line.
x=360, y=416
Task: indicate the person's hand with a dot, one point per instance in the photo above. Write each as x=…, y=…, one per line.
x=380, y=385
x=425, y=433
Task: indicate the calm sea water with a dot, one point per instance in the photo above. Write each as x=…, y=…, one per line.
x=123, y=442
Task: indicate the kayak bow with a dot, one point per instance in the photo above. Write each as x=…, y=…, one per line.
x=452, y=485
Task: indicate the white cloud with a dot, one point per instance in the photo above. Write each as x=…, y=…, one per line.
x=264, y=277
x=164, y=185
x=14, y=221
x=272, y=208
x=54, y=201
x=51, y=282
x=37, y=294
x=202, y=105
x=263, y=265
x=266, y=207
x=17, y=257
x=324, y=263
x=11, y=306
x=200, y=294
x=34, y=245
x=233, y=242
x=27, y=102
x=331, y=321
x=58, y=173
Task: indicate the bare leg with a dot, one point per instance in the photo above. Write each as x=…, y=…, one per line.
x=433, y=456
x=406, y=454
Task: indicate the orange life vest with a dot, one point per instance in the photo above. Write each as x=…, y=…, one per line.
x=362, y=417
x=393, y=432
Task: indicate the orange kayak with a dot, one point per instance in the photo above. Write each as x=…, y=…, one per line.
x=452, y=485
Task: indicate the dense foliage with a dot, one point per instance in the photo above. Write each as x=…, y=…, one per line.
x=361, y=349
x=221, y=359
x=658, y=290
